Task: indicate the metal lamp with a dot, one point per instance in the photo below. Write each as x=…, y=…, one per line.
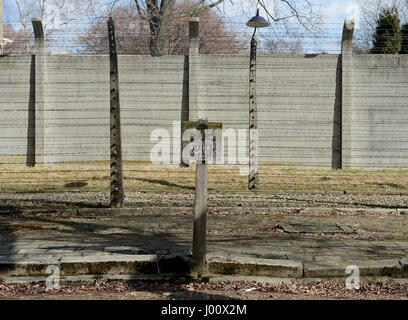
x=258, y=21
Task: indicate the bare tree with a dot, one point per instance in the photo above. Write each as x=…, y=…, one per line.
x=55, y=14
x=160, y=15
x=273, y=46
x=133, y=34
x=19, y=40
x=49, y=11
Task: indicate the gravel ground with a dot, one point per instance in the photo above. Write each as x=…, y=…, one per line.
x=158, y=186
x=241, y=290
x=49, y=200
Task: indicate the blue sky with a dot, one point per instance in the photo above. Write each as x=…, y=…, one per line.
x=338, y=10
x=10, y=12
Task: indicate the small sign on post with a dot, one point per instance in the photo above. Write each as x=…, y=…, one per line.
x=116, y=167
x=202, y=142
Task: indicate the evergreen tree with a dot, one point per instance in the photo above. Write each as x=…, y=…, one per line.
x=387, y=36
x=404, y=46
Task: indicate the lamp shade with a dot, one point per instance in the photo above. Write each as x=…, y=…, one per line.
x=258, y=21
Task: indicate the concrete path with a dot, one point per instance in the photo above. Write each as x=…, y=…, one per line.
x=238, y=244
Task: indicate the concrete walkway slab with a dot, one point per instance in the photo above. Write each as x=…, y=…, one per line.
x=238, y=244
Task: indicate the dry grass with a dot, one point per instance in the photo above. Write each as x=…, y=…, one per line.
x=142, y=177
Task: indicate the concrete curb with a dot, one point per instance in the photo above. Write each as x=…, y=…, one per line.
x=26, y=267
x=404, y=264
x=89, y=265
x=271, y=280
x=88, y=279
x=378, y=268
x=103, y=265
x=245, y=266
x=150, y=267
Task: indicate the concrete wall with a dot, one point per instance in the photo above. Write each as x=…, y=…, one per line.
x=77, y=108
x=16, y=107
x=299, y=106
x=298, y=110
x=151, y=96
x=152, y=92
x=377, y=121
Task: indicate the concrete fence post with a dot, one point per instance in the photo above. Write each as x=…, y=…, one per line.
x=194, y=67
x=116, y=167
x=40, y=151
x=192, y=59
x=346, y=107
x=253, y=119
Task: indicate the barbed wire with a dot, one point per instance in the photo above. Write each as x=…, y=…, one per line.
x=286, y=39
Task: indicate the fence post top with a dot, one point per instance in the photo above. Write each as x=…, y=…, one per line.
x=38, y=27
x=195, y=19
x=349, y=24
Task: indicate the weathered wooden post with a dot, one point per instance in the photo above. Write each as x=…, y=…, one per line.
x=116, y=166
x=203, y=140
x=200, y=207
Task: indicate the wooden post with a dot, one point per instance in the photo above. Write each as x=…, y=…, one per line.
x=200, y=209
x=116, y=167
x=253, y=126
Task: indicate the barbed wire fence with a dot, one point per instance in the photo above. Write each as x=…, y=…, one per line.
x=79, y=107
x=79, y=36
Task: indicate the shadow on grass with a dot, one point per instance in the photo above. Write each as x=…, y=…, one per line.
x=337, y=203
x=53, y=204
x=162, y=182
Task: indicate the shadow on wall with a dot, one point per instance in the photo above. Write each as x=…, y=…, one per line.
x=185, y=105
x=337, y=120
x=30, y=159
